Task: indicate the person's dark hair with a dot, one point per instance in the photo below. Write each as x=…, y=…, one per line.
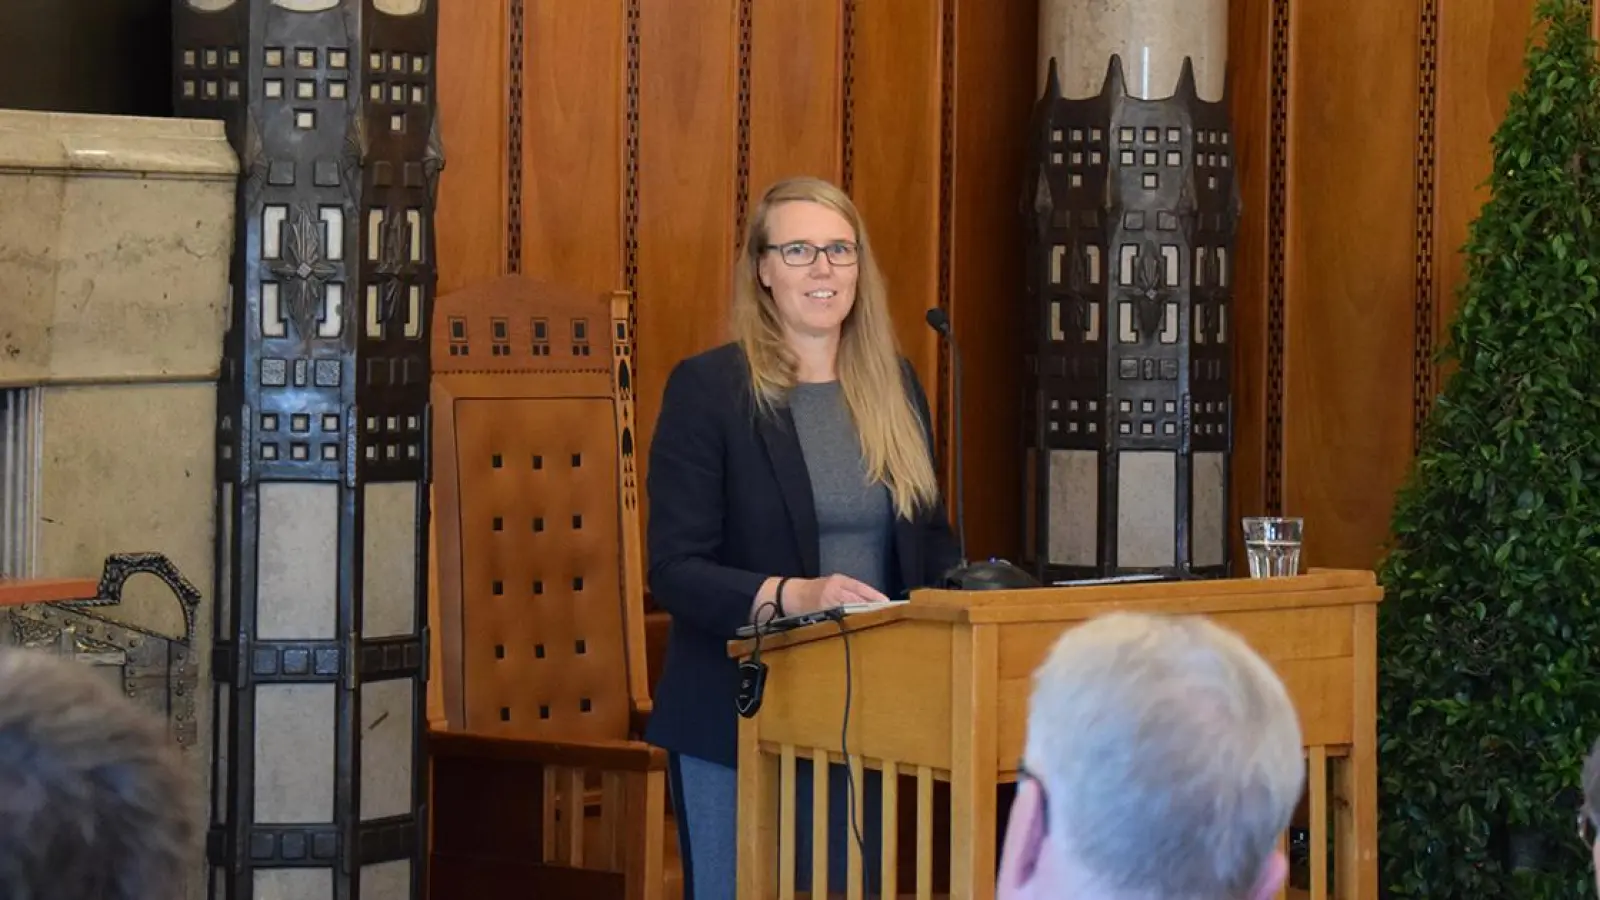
x=94, y=803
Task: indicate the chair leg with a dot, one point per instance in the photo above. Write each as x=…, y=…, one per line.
x=647, y=810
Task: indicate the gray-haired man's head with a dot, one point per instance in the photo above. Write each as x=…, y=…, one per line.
x=93, y=803
x=1163, y=760
x=1589, y=815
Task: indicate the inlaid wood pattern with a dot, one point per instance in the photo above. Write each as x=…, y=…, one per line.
x=1426, y=155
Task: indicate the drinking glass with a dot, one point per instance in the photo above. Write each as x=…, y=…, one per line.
x=1272, y=545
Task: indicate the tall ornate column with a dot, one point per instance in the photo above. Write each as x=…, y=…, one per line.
x=321, y=440
x=1132, y=204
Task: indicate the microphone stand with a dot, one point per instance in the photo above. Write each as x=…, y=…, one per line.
x=991, y=574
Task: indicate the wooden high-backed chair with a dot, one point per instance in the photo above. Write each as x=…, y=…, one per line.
x=540, y=602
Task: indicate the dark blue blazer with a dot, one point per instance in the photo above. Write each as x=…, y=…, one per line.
x=730, y=506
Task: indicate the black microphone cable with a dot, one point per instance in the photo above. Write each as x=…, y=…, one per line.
x=849, y=773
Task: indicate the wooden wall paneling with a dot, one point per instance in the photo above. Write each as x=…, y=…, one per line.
x=1253, y=99
x=573, y=143
x=1349, y=271
x=795, y=92
x=470, y=234
x=687, y=164
x=1479, y=65
x=894, y=145
x=995, y=46
x=471, y=79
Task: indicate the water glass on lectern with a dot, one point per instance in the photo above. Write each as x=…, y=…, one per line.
x=1272, y=546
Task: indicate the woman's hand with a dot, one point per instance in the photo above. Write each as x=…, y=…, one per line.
x=803, y=595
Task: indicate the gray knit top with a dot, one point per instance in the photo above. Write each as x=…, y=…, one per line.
x=855, y=519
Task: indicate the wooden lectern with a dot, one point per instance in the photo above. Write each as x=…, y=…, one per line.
x=938, y=692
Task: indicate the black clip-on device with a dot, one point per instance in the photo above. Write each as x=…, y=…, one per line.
x=753, y=672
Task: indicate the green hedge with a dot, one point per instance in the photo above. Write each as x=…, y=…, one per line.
x=1488, y=693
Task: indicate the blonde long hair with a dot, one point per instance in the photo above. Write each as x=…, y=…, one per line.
x=870, y=374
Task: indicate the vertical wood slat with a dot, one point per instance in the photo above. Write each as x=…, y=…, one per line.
x=1317, y=787
x=890, y=860
x=786, y=822
x=924, y=833
x=1357, y=828
x=549, y=816
x=645, y=869
x=819, y=822
x=760, y=818
x=572, y=813
x=1345, y=841
x=973, y=666
x=613, y=818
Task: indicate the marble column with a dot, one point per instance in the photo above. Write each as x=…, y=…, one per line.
x=1152, y=38
x=1132, y=207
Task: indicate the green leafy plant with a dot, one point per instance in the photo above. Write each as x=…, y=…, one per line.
x=1488, y=691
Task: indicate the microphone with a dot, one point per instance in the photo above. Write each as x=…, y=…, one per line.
x=992, y=574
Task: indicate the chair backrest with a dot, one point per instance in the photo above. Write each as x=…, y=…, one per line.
x=540, y=580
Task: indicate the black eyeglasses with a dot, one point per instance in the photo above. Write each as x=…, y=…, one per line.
x=804, y=253
x=1044, y=796
x=1586, y=826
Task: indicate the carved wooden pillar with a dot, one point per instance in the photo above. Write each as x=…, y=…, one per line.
x=1132, y=204
x=321, y=440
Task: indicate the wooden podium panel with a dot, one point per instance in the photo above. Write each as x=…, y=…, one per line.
x=938, y=691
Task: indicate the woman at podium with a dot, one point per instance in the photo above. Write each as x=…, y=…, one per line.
x=791, y=471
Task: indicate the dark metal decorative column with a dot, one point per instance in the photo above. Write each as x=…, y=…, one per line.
x=320, y=660
x=1132, y=208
